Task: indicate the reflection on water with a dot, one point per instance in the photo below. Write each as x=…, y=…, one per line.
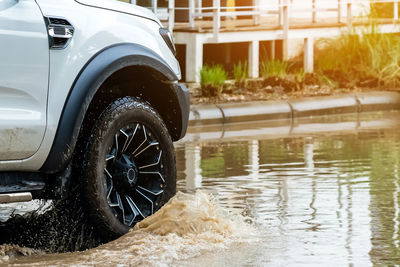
x=318, y=199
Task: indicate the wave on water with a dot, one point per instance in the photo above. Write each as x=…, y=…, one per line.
x=187, y=226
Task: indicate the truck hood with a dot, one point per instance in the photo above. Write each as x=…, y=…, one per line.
x=121, y=7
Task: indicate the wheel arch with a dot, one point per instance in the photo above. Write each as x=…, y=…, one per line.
x=91, y=86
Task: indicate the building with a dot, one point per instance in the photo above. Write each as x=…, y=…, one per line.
x=227, y=31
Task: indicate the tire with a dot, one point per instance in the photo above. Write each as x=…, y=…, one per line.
x=129, y=167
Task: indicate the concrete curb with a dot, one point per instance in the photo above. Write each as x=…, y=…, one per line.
x=205, y=114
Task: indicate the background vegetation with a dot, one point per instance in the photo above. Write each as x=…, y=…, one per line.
x=212, y=79
x=370, y=58
x=365, y=58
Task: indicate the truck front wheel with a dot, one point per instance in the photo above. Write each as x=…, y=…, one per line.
x=129, y=166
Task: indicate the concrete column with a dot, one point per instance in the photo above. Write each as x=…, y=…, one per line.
x=339, y=18
x=192, y=166
x=308, y=54
x=194, y=58
x=396, y=9
x=133, y=2
x=254, y=58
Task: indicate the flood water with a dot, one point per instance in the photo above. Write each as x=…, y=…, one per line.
x=322, y=192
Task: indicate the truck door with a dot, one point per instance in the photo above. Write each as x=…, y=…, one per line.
x=24, y=70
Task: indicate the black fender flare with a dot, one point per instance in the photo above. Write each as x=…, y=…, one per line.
x=91, y=77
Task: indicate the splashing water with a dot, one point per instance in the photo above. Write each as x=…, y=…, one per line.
x=189, y=215
x=187, y=226
x=11, y=251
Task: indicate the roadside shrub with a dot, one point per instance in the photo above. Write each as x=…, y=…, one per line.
x=241, y=73
x=370, y=58
x=212, y=79
x=381, y=10
x=274, y=68
x=300, y=75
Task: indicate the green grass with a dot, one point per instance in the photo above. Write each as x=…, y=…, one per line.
x=241, y=72
x=381, y=10
x=364, y=58
x=299, y=75
x=212, y=78
x=369, y=55
x=274, y=68
x=213, y=75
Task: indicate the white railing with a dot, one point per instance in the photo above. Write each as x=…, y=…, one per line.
x=284, y=9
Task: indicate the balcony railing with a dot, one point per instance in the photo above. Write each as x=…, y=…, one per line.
x=283, y=10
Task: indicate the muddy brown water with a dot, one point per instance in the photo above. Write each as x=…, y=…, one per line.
x=324, y=192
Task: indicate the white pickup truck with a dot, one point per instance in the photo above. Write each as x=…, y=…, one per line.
x=89, y=96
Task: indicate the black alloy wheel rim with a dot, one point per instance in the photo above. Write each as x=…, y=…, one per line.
x=133, y=174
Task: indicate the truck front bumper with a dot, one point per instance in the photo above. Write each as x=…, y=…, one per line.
x=183, y=98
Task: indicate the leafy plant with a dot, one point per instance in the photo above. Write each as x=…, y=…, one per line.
x=299, y=75
x=381, y=10
x=240, y=73
x=212, y=79
x=274, y=68
x=364, y=56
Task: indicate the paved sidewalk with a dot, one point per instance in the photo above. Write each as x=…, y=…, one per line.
x=205, y=114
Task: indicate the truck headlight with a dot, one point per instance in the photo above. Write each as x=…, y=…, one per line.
x=167, y=36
